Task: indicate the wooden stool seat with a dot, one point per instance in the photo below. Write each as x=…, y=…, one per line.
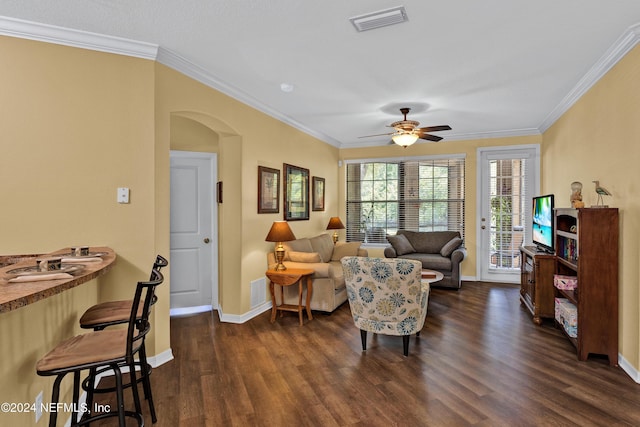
x=85, y=350
x=106, y=314
x=99, y=316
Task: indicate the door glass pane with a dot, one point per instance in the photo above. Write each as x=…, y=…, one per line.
x=507, y=213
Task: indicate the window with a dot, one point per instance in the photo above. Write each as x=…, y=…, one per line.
x=420, y=195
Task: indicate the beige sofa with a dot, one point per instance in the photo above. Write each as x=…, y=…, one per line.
x=320, y=254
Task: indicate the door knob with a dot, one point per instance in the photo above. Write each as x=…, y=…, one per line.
x=483, y=227
x=206, y=240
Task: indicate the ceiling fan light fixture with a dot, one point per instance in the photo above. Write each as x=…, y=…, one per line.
x=404, y=139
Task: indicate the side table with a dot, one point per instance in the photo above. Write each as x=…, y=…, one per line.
x=289, y=277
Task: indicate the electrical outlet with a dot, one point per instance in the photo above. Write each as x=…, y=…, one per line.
x=38, y=408
x=123, y=195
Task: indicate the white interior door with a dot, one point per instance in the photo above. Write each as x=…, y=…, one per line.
x=508, y=177
x=194, y=240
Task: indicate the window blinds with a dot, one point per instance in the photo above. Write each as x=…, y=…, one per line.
x=418, y=195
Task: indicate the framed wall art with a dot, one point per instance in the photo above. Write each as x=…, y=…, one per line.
x=317, y=189
x=268, y=190
x=296, y=193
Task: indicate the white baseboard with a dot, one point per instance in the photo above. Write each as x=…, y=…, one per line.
x=234, y=318
x=183, y=311
x=628, y=368
x=160, y=359
x=229, y=318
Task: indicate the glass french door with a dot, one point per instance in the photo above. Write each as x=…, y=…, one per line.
x=508, y=179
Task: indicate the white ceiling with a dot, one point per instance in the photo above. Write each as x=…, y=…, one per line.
x=486, y=68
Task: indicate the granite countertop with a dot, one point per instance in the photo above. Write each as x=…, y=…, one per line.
x=16, y=295
x=6, y=260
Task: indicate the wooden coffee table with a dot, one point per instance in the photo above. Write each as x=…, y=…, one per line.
x=431, y=276
x=289, y=277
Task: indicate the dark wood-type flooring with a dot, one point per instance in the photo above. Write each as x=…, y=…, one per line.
x=478, y=361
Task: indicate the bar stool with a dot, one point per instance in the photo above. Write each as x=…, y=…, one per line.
x=113, y=348
x=110, y=313
x=99, y=316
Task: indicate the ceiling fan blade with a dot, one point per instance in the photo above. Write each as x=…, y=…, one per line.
x=430, y=137
x=380, y=134
x=434, y=128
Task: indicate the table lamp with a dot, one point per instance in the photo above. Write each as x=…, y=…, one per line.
x=335, y=224
x=280, y=232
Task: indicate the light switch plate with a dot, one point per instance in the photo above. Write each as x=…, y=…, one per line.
x=123, y=195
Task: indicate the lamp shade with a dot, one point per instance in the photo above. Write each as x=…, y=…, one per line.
x=335, y=224
x=404, y=139
x=280, y=232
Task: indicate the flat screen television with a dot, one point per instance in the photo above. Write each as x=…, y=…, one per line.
x=542, y=223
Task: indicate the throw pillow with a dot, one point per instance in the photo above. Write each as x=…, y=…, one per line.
x=304, y=256
x=343, y=249
x=450, y=246
x=323, y=244
x=299, y=245
x=401, y=244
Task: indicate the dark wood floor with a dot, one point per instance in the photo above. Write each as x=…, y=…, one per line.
x=479, y=361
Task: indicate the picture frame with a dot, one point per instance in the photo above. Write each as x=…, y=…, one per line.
x=317, y=190
x=268, y=190
x=296, y=193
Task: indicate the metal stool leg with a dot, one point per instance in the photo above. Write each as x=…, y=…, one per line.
x=119, y=396
x=134, y=387
x=76, y=397
x=55, y=395
x=146, y=383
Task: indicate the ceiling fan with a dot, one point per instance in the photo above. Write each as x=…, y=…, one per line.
x=407, y=131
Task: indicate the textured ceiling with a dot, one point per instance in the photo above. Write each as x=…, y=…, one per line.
x=490, y=68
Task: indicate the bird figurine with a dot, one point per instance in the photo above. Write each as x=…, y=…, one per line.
x=601, y=191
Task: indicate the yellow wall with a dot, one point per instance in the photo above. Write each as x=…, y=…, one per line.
x=597, y=139
x=469, y=149
x=244, y=139
x=75, y=124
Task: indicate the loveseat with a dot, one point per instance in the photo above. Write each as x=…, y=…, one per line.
x=442, y=251
x=320, y=254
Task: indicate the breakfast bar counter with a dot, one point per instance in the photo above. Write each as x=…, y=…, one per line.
x=14, y=295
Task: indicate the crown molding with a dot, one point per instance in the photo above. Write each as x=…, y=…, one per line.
x=615, y=53
x=74, y=38
x=188, y=68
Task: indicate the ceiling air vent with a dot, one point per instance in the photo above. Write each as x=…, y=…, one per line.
x=382, y=18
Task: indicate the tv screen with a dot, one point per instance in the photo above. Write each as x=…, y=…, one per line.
x=543, y=222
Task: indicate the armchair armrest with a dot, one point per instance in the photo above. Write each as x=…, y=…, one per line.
x=390, y=252
x=458, y=255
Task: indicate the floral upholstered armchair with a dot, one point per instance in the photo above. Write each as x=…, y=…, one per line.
x=386, y=296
